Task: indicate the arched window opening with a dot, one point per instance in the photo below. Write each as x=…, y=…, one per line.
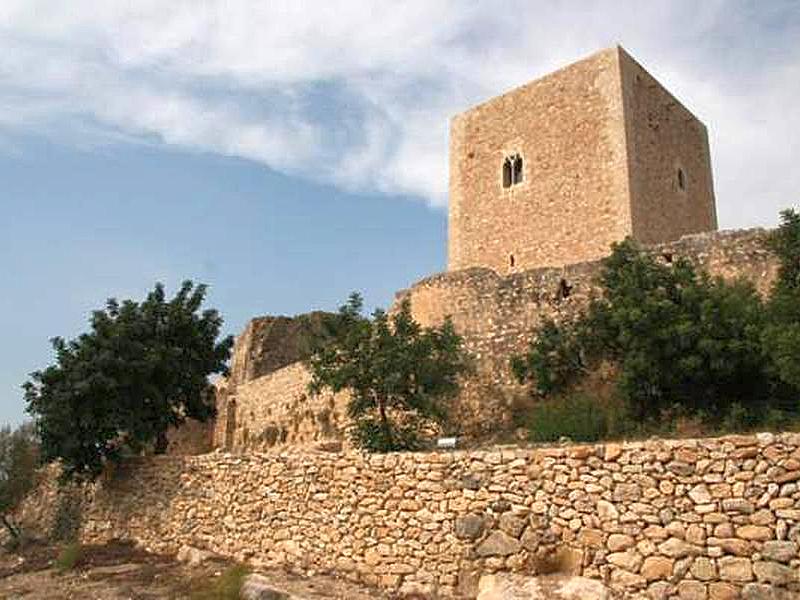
x=517, y=169
x=507, y=173
x=511, y=260
x=681, y=179
x=513, y=172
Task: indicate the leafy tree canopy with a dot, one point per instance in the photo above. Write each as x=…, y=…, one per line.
x=19, y=458
x=397, y=372
x=781, y=337
x=143, y=367
x=680, y=338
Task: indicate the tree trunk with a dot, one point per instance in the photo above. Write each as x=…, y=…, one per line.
x=11, y=528
x=161, y=443
x=387, y=428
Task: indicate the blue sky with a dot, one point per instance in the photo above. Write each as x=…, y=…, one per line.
x=287, y=153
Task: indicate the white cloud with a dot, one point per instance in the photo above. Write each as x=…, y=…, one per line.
x=358, y=93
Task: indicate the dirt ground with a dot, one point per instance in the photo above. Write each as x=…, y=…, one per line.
x=120, y=571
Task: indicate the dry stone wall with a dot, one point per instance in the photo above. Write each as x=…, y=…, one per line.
x=708, y=518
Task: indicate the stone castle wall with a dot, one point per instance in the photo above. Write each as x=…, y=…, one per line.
x=707, y=518
x=276, y=410
x=497, y=315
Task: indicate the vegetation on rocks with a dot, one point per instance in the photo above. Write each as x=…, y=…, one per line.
x=398, y=373
x=69, y=557
x=681, y=342
x=19, y=458
x=226, y=587
x=141, y=369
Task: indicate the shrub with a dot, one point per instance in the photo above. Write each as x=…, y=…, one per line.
x=68, y=518
x=781, y=337
x=398, y=373
x=69, y=557
x=227, y=587
x=19, y=458
x=681, y=342
x=578, y=417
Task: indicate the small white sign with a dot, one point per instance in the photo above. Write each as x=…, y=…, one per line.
x=448, y=442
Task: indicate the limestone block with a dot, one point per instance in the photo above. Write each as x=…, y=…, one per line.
x=735, y=569
x=657, y=568
x=619, y=541
x=774, y=573
x=498, y=544
x=258, y=587
x=511, y=524
x=779, y=551
x=469, y=526
x=692, y=590
x=509, y=586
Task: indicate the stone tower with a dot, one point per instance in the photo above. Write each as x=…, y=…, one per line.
x=553, y=172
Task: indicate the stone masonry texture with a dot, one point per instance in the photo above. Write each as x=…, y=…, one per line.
x=602, y=143
x=704, y=518
x=277, y=409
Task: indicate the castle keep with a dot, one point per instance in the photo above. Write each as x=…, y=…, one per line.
x=553, y=172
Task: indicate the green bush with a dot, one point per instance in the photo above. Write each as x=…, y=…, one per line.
x=682, y=343
x=19, y=459
x=579, y=418
x=69, y=557
x=227, y=587
x=371, y=435
x=69, y=516
x=781, y=337
x=399, y=374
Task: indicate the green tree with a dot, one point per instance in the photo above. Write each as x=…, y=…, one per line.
x=678, y=338
x=398, y=373
x=19, y=458
x=781, y=336
x=142, y=368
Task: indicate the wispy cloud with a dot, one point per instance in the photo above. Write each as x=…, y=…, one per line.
x=358, y=93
